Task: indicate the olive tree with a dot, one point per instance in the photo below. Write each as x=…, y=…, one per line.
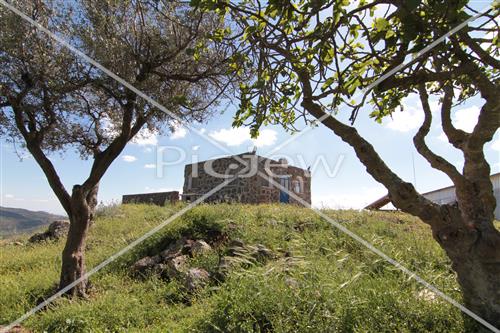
x=51, y=101
x=317, y=59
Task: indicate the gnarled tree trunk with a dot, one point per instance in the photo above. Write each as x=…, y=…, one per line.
x=475, y=255
x=83, y=205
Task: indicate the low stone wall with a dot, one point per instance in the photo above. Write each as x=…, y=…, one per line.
x=158, y=198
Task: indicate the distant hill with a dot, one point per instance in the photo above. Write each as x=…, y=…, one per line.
x=17, y=220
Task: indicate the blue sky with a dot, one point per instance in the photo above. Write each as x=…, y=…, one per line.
x=24, y=185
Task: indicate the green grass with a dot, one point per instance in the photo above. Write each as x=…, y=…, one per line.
x=330, y=283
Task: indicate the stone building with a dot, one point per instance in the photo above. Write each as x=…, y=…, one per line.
x=248, y=187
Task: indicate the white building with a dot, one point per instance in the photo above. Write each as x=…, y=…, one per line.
x=445, y=196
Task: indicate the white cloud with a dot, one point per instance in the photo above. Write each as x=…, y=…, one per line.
x=148, y=150
x=179, y=132
x=409, y=119
x=267, y=137
x=203, y=130
x=495, y=144
x=240, y=135
x=146, y=137
x=150, y=166
x=10, y=196
x=195, y=148
x=231, y=136
x=129, y=158
x=466, y=119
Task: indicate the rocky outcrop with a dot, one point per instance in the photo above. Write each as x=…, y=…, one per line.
x=55, y=231
x=173, y=261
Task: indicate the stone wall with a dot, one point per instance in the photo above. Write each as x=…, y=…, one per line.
x=158, y=198
x=200, y=178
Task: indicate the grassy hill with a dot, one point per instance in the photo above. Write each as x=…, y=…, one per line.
x=17, y=220
x=319, y=281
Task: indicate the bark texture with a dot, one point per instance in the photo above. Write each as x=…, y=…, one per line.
x=73, y=260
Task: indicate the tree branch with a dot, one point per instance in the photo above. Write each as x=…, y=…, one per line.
x=33, y=145
x=419, y=77
x=456, y=137
x=436, y=161
x=402, y=194
x=474, y=46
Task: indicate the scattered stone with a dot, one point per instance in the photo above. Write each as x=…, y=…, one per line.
x=176, y=266
x=55, y=231
x=188, y=246
x=17, y=243
x=196, y=278
x=177, y=248
x=200, y=247
x=160, y=269
x=145, y=264
x=58, y=229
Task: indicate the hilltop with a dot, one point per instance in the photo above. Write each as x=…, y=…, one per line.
x=18, y=220
x=317, y=279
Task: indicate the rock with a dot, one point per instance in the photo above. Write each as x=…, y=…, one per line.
x=160, y=269
x=181, y=246
x=196, y=278
x=17, y=243
x=226, y=264
x=176, y=266
x=55, y=231
x=58, y=229
x=188, y=246
x=200, y=247
x=145, y=264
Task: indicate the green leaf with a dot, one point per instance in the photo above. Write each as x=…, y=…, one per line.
x=381, y=24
